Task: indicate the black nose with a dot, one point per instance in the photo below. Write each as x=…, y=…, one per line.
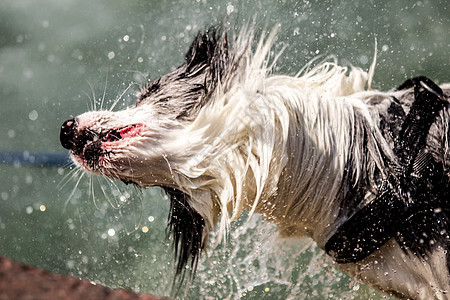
x=67, y=134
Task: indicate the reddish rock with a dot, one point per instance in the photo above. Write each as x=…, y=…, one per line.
x=19, y=281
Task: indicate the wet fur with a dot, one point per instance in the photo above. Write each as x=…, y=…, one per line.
x=221, y=134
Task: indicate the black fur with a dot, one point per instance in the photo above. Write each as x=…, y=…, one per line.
x=412, y=201
x=183, y=92
x=186, y=227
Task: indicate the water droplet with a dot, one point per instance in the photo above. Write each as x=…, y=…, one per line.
x=4, y=196
x=28, y=73
x=230, y=9
x=70, y=264
x=363, y=59
x=11, y=133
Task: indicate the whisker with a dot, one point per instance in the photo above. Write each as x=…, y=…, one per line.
x=136, y=224
x=92, y=192
x=104, y=91
x=121, y=95
x=89, y=105
x=122, y=196
x=138, y=211
x=68, y=177
x=73, y=191
x=115, y=205
x=94, y=102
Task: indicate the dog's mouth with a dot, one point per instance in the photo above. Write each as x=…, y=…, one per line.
x=114, y=135
x=88, y=146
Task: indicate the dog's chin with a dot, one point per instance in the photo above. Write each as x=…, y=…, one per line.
x=128, y=167
x=104, y=166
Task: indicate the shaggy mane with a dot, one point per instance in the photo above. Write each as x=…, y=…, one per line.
x=247, y=129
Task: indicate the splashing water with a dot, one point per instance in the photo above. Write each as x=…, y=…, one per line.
x=255, y=263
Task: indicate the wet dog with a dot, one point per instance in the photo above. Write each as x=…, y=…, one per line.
x=364, y=173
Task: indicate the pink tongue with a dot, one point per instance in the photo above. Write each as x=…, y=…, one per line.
x=130, y=131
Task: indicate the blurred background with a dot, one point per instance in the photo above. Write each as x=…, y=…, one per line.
x=59, y=58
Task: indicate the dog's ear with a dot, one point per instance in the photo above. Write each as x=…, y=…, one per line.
x=201, y=50
x=188, y=88
x=207, y=49
x=186, y=226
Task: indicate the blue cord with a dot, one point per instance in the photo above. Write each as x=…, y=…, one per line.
x=35, y=158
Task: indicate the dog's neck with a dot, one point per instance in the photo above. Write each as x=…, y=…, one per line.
x=283, y=153
x=306, y=201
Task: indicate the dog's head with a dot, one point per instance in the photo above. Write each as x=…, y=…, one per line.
x=127, y=144
x=145, y=144
x=206, y=133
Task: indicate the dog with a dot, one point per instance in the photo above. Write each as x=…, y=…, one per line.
x=364, y=173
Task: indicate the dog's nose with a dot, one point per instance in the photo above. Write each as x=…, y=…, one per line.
x=67, y=134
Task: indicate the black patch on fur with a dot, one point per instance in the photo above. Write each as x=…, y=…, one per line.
x=92, y=153
x=181, y=93
x=151, y=88
x=201, y=51
x=427, y=224
x=412, y=202
x=353, y=190
x=186, y=227
x=210, y=50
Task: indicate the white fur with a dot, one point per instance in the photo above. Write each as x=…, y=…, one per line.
x=403, y=274
x=275, y=145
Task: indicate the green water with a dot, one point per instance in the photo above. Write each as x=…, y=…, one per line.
x=56, y=56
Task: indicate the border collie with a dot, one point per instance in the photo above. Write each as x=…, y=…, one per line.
x=364, y=173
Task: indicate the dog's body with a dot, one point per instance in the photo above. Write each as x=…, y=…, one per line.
x=307, y=152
